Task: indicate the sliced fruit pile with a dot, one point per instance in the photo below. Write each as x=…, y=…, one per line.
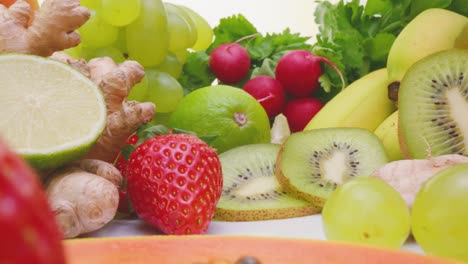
x=366, y=126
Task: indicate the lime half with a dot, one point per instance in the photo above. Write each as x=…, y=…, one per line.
x=50, y=113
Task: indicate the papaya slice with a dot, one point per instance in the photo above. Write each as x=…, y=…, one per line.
x=208, y=249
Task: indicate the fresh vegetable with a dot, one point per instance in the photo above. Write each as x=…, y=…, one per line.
x=355, y=36
x=174, y=182
x=230, y=63
x=269, y=93
x=27, y=223
x=45, y=35
x=407, y=176
x=299, y=72
x=300, y=111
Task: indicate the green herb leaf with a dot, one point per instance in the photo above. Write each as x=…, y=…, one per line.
x=196, y=72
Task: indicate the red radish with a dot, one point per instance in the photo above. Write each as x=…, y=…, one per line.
x=299, y=71
x=269, y=93
x=230, y=63
x=300, y=111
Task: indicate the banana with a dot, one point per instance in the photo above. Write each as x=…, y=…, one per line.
x=387, y=132
x=432, y=30
x=363, y=103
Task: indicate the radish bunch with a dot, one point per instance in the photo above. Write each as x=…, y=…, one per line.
x=289, y=92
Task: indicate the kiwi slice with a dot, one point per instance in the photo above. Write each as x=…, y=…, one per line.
x=433, y=105
x=250, y=189
x=311, y=164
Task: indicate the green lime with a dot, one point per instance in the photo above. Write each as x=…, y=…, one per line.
x=229, y=114
x=51, y=114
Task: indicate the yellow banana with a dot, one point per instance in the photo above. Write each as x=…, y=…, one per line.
x=432, y=30
x=387, y=131
x=364, y=103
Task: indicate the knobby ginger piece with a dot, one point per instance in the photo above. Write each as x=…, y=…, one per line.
x=84, y=196
x=408, y=176
x=52, y=28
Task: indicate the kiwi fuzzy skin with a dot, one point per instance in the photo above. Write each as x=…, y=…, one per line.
x=288, y=187
x=258, y=215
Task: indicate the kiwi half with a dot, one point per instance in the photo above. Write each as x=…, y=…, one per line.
x=311, y=164
x=250, y=189
x=433, y=106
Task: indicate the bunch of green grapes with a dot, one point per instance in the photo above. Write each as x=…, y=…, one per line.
x=156, y=34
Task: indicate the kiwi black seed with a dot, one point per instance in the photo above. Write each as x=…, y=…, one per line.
x=313, y=163
x=250, y=189
x=433, y=105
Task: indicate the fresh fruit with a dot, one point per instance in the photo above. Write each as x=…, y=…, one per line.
x=199, y=249
x=174, y=182
x=250, y=189
x=229, y=114
x=26, y=222
x=300, y=111
x=313, y=163
x=171, y=65
x=299, y=71
x=268, y=92
x=432, y=106
x=229, y=62
x=431, y=31
x=387, y=132
x=147, y=36
x=363, y=103
x=439, y=214
x=182, y=29
x=120, y=12
x=163, y=90
x=96, y=33
x=52, y=123
x=122, y=165
x=367, y=210
x=204, y=30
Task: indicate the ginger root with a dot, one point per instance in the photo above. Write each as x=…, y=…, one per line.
x=52, y=29
x=408, y=176
x=84, y=195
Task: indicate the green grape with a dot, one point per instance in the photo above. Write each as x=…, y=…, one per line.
x=369, y=211
x=90, y=4
x=96, y=33
x=121, y=41
x=181, y=55
x=109, y=51
x=120, y=12
x=171, y=65
x=204, y=30
x=182, y=29
x=439, y=214
x=75, y=52
x=147, y=36
x=163, y=90
x=161, y=118
x=139, y=91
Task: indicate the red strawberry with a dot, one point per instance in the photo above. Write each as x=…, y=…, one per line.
x=174, y=183
x=27, y=224
x=121, y=164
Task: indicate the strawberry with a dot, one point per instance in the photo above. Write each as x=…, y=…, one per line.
x=174, y=183
x=121, y=164
x=27, y=224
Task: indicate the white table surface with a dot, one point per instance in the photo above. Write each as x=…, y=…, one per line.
x=308, y=227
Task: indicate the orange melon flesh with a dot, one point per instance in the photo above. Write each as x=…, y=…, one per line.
x=203, y=249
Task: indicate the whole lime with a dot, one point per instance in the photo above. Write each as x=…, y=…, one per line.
x=229, y=114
